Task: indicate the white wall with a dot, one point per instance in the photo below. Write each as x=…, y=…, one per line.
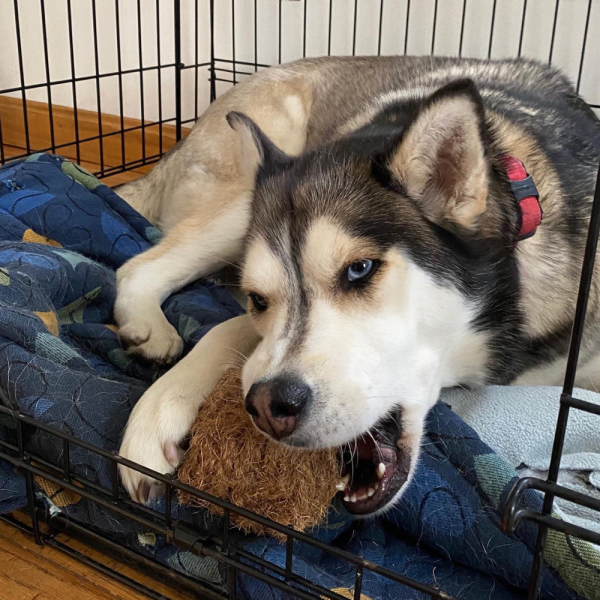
x=536, y=41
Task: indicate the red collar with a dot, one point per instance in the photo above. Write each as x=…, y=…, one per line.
x=526, y=195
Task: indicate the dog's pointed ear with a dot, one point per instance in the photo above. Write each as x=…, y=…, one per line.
x=441, y=160
x=256, y=149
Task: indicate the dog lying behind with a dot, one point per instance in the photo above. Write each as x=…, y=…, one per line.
x=379, y=209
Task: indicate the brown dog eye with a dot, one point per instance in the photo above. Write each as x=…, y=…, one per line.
x=260, y=303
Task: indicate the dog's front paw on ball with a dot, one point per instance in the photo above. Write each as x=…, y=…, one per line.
x=152, y=453
x=158, y=423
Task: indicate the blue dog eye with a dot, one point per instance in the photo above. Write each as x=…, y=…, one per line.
x=359, y=269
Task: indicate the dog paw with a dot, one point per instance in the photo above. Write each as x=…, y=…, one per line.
x=157, y=425
x=156, y=341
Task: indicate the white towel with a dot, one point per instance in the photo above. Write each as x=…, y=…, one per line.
x=519, y=423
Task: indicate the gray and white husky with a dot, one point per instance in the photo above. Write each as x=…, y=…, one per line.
x=379, y=235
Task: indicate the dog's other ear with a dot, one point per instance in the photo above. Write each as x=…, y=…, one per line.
x=256, y=149
x=440, y=161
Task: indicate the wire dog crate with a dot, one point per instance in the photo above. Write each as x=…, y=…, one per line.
x=162, y=64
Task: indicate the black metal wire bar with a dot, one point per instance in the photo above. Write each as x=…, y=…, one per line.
x=233, y=39
x=585, y=36
x=196, y=57
x=304, y=29
x=141, y=71
x=585, y=285
x=554, y=24
x=358, y=579
x=279, y=16
x=406, y=27
x=328, y=29
x=168, y=505
x=8, y=446
x=379, y=35
x=289, y=557
x=240, y=62
x=98, y=95
x=255, y=35
x=47, y=68
x=581, y=404
x=213, y=86
x=492, y=29
x=435, y=14
x=225, y=80
x=231, y=582
x=523, y=18
x=20, y=439
x=159, y=80
x=226, y=528
x=67, y=460
x=71, y=80
x=2, y=157
x=540, y=546
x=22, y=77
x=114, y=480
x=178, y=103
x=354, y=26
x=31, y=507
x=120, y=82
x=462, y=28
x=238, y=72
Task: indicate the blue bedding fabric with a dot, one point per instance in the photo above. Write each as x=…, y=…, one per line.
x=62, y=235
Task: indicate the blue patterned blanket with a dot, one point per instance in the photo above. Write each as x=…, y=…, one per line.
x=62, y=235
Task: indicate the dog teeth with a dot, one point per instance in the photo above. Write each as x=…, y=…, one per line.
x=363, y=496
x=370, y=492
x=381, y=470
x=343, y=483
x=346, y=498
x=353, y=498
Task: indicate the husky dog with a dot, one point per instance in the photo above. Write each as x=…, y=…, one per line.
x=371, y=208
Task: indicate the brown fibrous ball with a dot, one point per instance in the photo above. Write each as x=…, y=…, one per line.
x=229, y=458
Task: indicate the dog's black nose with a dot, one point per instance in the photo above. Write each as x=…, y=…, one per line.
x=276, y=405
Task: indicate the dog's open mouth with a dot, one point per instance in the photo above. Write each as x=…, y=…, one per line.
x=374, y=469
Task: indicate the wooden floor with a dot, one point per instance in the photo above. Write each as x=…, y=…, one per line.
x=31, y=572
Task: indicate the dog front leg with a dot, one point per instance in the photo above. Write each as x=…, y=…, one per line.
x=165, y=414
x=194, y=248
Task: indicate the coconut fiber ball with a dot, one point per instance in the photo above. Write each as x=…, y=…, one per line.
x=229, y=458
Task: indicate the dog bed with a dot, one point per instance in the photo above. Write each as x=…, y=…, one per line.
x=62, y=235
